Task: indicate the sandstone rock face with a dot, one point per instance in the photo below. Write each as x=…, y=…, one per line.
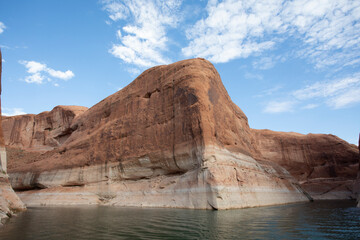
x=9, y=201
x=42, y=132
x=325, y=165
x=172, y=138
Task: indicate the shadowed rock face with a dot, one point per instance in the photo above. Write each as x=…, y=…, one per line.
x=172, y=138
x=9, y=201
x=325, y=165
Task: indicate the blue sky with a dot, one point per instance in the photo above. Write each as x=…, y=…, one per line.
x=289, y=65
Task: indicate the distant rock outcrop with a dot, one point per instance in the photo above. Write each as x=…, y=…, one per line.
x=171, y=138
x=42, y=132
x=325, y=165
x=9, y=201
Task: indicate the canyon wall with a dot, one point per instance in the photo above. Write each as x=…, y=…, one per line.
x=42, y=132
x=325, y=165
x=171, y=138
x=9, y=201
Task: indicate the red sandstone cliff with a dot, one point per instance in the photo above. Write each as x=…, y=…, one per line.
x=173, y=138
x=325, y=165
x=42, y=132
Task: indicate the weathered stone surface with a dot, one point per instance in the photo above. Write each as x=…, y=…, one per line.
x=172, y=138
x=9, y=201
x=325, y=165
x=42, y=132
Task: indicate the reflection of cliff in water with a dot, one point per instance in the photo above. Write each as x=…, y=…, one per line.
x=317, y=220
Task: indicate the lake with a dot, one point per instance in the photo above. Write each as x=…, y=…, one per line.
x=316, y=220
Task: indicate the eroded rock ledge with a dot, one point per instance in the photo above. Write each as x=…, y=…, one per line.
x=171, y=138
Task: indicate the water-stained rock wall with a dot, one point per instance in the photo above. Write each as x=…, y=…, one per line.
x=9, y=201
x=171, y=138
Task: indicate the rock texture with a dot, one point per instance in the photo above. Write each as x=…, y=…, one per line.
x=42, y=132
x=9, y=201
x=172, y=138
x=325, y=165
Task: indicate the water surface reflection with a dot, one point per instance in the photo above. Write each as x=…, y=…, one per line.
x=318, y=220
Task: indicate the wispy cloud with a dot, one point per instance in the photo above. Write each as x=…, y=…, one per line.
x=270, y=91
x=40, y=72
x=13, y=111
x=310, y=106
x=143, y=40
x=329, y=30
x=279, y=106
x=264, y=63
x=257, y=76
x=233, y=29
x=2, y=27
x=339, y=93
x=345, y=99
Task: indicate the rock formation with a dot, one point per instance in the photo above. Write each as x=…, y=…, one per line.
x=171, y=138
x=9, y=201
x=42, y=132
x=325, y=165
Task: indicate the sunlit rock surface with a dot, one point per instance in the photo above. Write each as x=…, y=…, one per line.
x=171, y=138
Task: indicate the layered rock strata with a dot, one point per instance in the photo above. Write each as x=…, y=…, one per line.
x=9, y=201
x=325, y=165
x=42, y=132
x=172, y=138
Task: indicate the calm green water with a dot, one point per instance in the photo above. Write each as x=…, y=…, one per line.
x=318, y=220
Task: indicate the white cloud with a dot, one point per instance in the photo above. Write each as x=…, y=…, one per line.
x=2, y=27
x=33, y=67
x=234, y=29
x=253, y=76
x=328, y=89
x=345, y=99
x=264, y=63
x=13, y=111
x=143, y=41
x=35, y=78
x=279, y=106
x=59, y=74
x=269, y=91
x=338, y=93
x=328, y=30
x=310, y=106
x=39, y=71
x=134, y=71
